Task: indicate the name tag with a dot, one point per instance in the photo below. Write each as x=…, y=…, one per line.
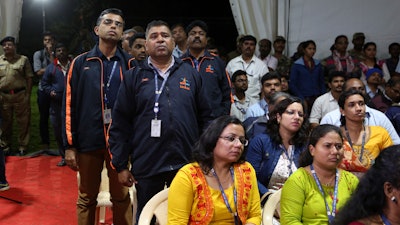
x=107, y=116
x=155, y=128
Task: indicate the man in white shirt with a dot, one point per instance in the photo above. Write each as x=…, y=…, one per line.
x=373, y=117
x=247, y=61
x=328, y=101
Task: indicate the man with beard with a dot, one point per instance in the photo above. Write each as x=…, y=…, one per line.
x=373, y=79
x=212, y=69
x=389, y=96
x=159, y=114
x=328, y=101
x=241, y=102
x=284, y=62
x=137, y=46
x=254, y=67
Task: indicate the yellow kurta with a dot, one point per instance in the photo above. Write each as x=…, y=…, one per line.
x=192, y=201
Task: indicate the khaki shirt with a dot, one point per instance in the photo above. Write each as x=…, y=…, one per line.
x=14, y=73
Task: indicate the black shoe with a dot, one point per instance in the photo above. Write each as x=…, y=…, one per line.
x=62, y=163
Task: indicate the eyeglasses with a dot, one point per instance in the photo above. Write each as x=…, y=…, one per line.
x=110, y=21
x=292, y=112
x=242, y=140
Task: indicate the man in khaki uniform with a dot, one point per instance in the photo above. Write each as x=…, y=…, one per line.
x=15, y=90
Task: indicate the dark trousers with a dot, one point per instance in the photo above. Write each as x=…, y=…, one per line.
x=55, y=118
x=2, y=167
x=44, y=107
x=146, y=188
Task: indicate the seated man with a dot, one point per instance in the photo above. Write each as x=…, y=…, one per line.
x=390, y=95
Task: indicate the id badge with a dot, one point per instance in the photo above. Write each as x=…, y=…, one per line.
x=155, y=128
x=107, y=116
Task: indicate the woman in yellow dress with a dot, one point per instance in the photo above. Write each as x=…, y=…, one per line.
x=363, y=143
x=219, y=187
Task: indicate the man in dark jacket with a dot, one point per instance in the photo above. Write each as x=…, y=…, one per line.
x=91, y=87
x=159, y=113
x=211, y=68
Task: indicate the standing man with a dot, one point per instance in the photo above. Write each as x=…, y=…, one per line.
x=15, y=94
x=241, y=102
x=212, y=69
x=180, y=38
x=92, y=84
x=328, y=101
x=159, y=114
x=137, y=45
x=254, y=67
x=126, y=35
x=264, y=47
x=53, y=83
x=41, y=59
x=358, y=43
x=284, y=63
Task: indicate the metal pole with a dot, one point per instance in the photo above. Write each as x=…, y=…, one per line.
x=44, y=17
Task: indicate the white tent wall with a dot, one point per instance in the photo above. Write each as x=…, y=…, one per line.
x=10, y=17
x=319, y=20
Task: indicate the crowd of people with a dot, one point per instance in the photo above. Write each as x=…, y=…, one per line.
x=163, y=107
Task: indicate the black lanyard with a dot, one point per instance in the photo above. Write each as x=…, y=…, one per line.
x=228, y=206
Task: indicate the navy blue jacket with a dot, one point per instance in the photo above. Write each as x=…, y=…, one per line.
x=54, y=80
x=184, y=112
x=263, y=154
x=83, y=102
x=305, y=83
x=216, y=81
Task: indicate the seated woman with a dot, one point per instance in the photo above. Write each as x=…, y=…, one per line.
x=363, y=143
x=376, y=199
x=274, y=155
x=219, y=187
x=314, y=193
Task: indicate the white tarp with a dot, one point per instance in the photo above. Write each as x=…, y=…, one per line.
x=319, y=20
x=10, y=17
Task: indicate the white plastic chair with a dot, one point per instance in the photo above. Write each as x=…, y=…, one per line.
x=156, y=206
x=270, y=207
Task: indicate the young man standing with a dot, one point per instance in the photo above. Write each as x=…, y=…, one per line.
x=92, y=84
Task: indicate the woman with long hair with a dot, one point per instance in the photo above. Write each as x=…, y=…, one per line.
x=316, y=191
x=219, y=187
x=376, y=200
x=275, y=155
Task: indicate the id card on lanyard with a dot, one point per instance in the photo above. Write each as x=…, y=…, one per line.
x=107, y=111
x=156, y=123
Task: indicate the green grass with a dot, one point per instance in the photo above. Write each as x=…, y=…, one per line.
x=34, y=142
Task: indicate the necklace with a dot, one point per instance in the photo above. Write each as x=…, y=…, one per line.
x=351, y=143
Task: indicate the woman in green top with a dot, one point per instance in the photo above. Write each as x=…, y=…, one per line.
x=316, y=191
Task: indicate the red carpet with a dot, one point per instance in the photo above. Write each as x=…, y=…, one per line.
x=47, y=193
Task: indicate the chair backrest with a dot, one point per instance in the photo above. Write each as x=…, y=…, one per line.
x=156, y=206
x=270, y=207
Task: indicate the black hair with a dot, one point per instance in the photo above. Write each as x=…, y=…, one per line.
x=60, y=45
x=203, y=151
x=342, y=99
x=273, y=126
x=340, y=36
x=109, y=11
x=335, y=73
x=369, y=197
x=197, y=23
x=305, y=44
x=238, y=73
x=247, y=38
x=156, y=23
x=270, y=76
x=136, y=36
x=316, y=134
x=393, y=45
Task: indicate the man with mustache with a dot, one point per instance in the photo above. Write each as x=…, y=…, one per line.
x=92, y=83
x=249, y=62
x=211, y=68
x=159, y=114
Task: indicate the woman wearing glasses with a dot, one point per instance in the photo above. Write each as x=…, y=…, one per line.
x=219, y=187
x=274, y=155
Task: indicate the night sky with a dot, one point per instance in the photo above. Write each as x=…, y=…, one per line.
x=61, y=13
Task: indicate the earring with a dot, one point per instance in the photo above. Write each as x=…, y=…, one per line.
x=393, y=199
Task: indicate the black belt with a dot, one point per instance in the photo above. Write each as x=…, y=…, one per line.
x=13, y=91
